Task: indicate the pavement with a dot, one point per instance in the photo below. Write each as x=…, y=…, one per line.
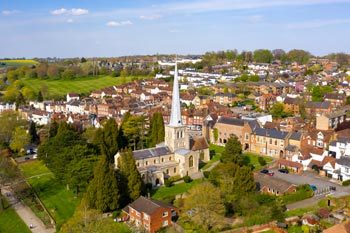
x=25, y=213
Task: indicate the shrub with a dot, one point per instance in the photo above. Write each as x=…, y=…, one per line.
x=206, y=174
x=261, y=161
x=187, y=179
x=168, y=183
x=346, y=183
x=175, y=178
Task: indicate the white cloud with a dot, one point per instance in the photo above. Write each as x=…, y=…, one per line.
x=59, y=11
x=118, y=24
x=73, y=11
x=151, y=17
x=317, y=23
x=70, y=20
x=9, y=12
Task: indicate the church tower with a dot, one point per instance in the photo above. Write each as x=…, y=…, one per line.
x=175, y=132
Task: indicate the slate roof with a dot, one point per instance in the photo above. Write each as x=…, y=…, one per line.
x=151, y=152
x=320, y=105
x=295, y=136
x=148, y=206
x=272, y=133
x=182, y=152
x=345, y=161
x=231, y=121
x=289, y=100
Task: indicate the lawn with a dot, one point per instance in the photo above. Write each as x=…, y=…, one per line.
x=168, y=194
x=22, y=62
x=59, y=88
x=215, y=155
x=60, y=202
x=10, y=222
x=253, y=159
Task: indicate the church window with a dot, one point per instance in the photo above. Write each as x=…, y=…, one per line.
x=155, y=161
x=146, y=163
x=162, y=160
x=170, y=158
x=174, y=169
x=178, y=135
x=167, y=171
x=191, y=161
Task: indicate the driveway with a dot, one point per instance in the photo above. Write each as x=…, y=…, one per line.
x=322, y=183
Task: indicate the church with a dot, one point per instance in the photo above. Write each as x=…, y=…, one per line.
x=179, y=155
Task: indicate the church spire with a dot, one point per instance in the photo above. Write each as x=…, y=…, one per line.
x=175, y=117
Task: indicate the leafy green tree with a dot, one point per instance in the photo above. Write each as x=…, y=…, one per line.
x=20, y=139
x=130, y=176
x=318, y=92
x=263, y=56
x=299, y=56
x=103, y=193
x=40, y=97
x=233, y=151
x=277, y=111
x=9, y=121
x=53, y=71
x=157, y=129
x=80, y=172
x=108, y=142
x=206, y=205
x=41, y=70
x=28, y=93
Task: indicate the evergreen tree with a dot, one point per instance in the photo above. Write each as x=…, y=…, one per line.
x=40, y=97
x=233, y=151
x=34, y=138
x=53, y=129
x=108, y=143
x=103, y=192
x=130, y=176
x=157, y=129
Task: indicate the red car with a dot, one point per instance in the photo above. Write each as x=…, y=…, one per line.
x=270, y=173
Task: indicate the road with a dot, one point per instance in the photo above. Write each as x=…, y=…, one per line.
x=25, y=158
x=25, y=213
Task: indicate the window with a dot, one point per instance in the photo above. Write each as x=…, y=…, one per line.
x=170, y=158
x=275, y=142
x=138, y=164
x=165, y=214
x=146, y=163
x=190, y=161
x=246, y=136
x=174, y=169
x=162, y=160
x=346, y=170
x=167, y=171
x=270, y=141
x=165, y=223
x=154, y=161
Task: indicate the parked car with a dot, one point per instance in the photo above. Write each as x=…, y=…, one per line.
x=270, y=173
x=313, y=187
x=332, y=188
x=26, y=158
x=283, y=170
x=264, y=171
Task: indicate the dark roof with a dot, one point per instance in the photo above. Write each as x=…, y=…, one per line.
x=344, y=161
x=148, y=206
x=272, y=182
x=335, y=96
x=199, y=143
x=295, y=136
x=272, y=133
x=231, y=121
x=322, y=105
x=289, y=100
x=151, y=152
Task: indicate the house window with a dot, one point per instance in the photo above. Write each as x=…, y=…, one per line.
x=162, y=160
x=276, y=142
x=346, y=170
x=165, y=223
x=270, y=141
x=191, y=161
x=146, y=163
x=246, y=136
x=165, y=214
x=170, y=158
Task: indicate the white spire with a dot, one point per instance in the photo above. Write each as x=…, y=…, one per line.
x=175, y=117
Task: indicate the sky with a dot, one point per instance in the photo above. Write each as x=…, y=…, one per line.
x=110, y=28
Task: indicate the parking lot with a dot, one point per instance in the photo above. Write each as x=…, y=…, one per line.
x=311, y=178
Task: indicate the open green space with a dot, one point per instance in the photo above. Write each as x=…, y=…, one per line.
x=59, y=201
x=10, y=222
x=16, y=63
x=215, y=155
x=168, y=194
x=253, y=159
x=60, y=87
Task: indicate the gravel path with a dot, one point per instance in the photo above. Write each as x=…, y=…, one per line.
x=25, y=213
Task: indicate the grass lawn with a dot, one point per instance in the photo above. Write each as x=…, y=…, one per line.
x=10, y=222
x=168, y=193
x=60, y=202
x=59, y=88
x=251, y=158
x=23, y=62
x=215, y=154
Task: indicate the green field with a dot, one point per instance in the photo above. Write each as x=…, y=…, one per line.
x=59, y=88
x=168, y=194
x=10, y=222
x=252, y=159
x=16, y=63
x=60, y=202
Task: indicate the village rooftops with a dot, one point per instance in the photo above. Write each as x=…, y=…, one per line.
x=344, y=160
x=230, y=121
x=182, y=151
x=272, y=133
x=151, y=152
x=272, y=182
x=320, y=105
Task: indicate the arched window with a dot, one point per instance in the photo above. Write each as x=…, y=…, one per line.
x=178, y=134
x=190, y=161
x=162, y=160
x=167, y=171
x=181, y=135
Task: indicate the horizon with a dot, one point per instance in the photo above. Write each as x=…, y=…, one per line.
x=69, y=29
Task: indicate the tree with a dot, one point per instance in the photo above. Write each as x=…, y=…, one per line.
x=318, y=92
x=53, y=72
x=277, y=111
x=80, y=172
x=157, y=129
x=40, y=97
x=130, y=177
x=108, y=141
x=103, y=192
x=206, y=206
x=34, y=138
x=9, y=121
x=263, y=56
x=279, y=54
x=20, y=139
x=68, y=74
x=41, y=70
x=299, y=56
x=233, y=151
x=28, y=93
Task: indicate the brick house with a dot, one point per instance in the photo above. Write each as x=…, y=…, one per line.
x=273, y=185
x=149, y=214
x=313, y=108
x=336, y=99
x=227, y=126
x=292, y=105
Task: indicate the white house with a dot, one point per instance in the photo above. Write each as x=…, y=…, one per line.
x=339, y=148
x=7, y=106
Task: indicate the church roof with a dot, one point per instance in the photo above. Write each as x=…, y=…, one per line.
x=199, y=143
x=175, y=117
x=182, y=151
x=151, y=152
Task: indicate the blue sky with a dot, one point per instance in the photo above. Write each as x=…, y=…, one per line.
x=75, y=28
